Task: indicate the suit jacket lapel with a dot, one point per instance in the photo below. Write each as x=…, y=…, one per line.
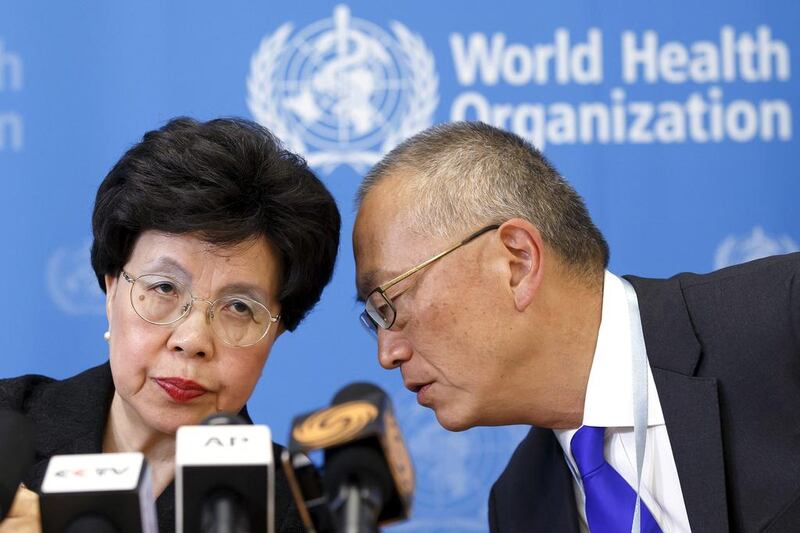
x=535, y=492
x=553, y=501
x=690, y=404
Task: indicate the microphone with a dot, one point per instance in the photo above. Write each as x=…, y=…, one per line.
x=16, y=456
x=368, y=471
x=101, y=492
x=225, y=477
x=308, y=492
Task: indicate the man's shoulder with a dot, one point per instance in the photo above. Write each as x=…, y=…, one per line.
x=748, y=285
x=764, y=268
x=776, y=266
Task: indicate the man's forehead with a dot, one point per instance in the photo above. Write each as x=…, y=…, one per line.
x=384, y=213
x=384, y=242
x=381, y=250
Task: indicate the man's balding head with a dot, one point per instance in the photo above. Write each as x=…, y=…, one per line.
x=460, y=176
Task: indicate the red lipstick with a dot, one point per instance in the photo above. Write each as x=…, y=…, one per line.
x=181, y=390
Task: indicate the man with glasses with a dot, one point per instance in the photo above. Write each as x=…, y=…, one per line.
x=484, y=281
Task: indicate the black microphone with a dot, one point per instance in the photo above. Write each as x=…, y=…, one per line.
x=225, y=477
x=16, y=456
x=101, y=493
x=368, y=472
x=308, y=491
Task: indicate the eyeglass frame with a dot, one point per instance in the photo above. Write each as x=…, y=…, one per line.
x=188, y=308
x=369, y=322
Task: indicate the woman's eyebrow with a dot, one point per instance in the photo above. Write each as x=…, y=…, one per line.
x=248, y=289
x=170, y=264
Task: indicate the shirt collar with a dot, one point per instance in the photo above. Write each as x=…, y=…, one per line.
x=609, y=391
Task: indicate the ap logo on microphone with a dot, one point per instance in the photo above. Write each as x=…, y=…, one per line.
x=343, y=91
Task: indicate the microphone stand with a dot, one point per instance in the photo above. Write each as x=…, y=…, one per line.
x=222, y=513
x=357, y=508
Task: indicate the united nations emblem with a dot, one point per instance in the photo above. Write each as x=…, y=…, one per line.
x=71, y=281
x=343, y=91
x=734, y=250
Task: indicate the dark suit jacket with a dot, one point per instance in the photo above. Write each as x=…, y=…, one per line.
x=69, y=417
x=724, y=349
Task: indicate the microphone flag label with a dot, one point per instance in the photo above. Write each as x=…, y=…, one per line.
x=223, y=445
x=334, y=425
x=93, y=472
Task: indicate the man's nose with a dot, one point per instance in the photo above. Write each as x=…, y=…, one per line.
x=393, y=349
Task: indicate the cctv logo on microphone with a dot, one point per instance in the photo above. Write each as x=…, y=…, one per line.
x=99, y=472
x=93, y=472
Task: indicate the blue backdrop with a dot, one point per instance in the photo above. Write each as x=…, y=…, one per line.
x=673, y=119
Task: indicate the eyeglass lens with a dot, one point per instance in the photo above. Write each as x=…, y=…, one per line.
x=380, y=310
x=236, y=320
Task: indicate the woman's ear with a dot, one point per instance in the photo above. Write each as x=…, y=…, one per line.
x=524, y=246
x=111, y=291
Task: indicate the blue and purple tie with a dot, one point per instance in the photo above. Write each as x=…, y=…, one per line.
x=610, y=500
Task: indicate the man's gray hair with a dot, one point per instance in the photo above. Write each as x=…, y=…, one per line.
x=464, y=175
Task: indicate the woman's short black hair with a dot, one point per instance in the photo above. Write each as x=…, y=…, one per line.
x=227, y=180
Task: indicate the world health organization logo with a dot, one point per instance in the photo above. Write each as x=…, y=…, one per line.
x=343, y=91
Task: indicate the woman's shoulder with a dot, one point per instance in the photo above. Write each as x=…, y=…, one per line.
x=20, y=393
x=15, y=393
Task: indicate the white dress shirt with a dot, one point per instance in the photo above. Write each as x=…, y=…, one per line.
x=609, y=403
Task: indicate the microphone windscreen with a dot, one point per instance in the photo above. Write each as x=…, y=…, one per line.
x=356, y=391
x=91, y=523
x=224, y=419
x=16, y=456
x=362, y=446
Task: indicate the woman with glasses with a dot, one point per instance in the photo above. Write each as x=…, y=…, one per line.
x=210, y=240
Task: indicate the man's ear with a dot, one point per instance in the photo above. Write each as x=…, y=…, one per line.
x=524, y=246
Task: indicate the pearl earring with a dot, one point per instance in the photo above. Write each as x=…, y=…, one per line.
x=107, y=336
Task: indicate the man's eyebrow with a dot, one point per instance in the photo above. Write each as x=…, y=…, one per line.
x=368, y=282
x=364, y=285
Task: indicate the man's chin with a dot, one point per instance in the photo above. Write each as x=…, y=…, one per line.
x=453, y=421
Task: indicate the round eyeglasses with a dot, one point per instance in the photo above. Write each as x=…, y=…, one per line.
x=236, y=320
